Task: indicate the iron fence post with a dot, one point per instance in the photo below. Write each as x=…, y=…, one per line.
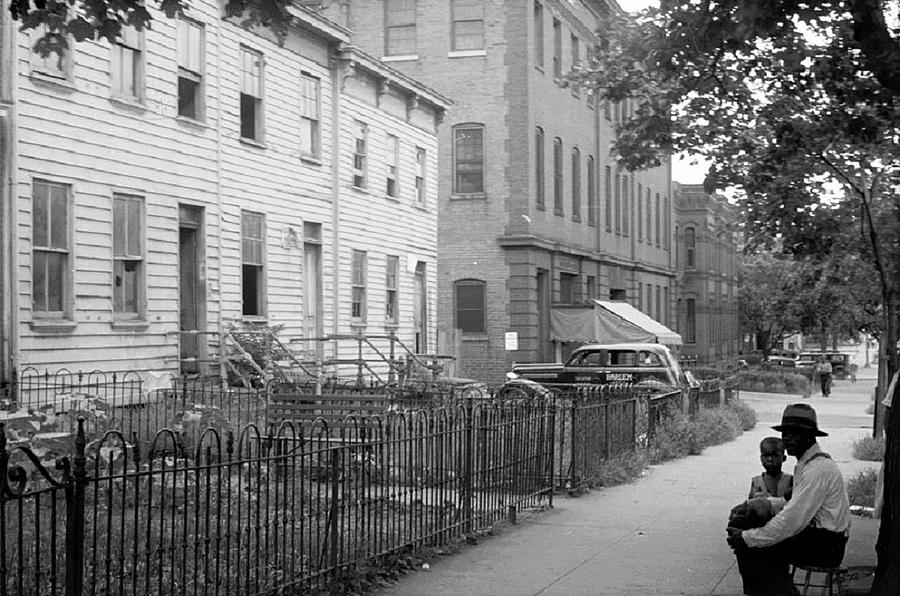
x=75, y=517
x=552, y=446
x=334, y=509
x=468, y=480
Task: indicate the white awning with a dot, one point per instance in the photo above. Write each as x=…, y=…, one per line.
x=608, y=322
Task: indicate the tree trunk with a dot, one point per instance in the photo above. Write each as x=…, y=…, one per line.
x=887, y=574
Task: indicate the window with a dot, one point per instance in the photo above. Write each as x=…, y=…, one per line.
x=358, y=287
x=665, y=313
x=50, y=249
x=626, y=205
x=656, y=221
x=54, y=64
x=468, y=25
x=617, y=216
x=190, y=69
x=539, y=168
x=127, y=64
x=607, y=193
x=399, y=27
x=128, y=260
x=591, y=288
x=538, y=34
x=568, y=288
x=576, y=51
x=689, y=245
x=468, y=159
x=650, y=300
x=649, y=204
x=470, y=305
x=360, y=154
x=391, y=305
x=252, y=263
x=592, y=191
x=667, y=228
x=677, y=252
x=251, y=94
x=393, y=166
x=557, y=49
x=640, y=296
x=309, y=115
x=659, y=311
x=690, y=335
x=557, y=176
x=576, y=184
x=639, y=220
x=421, y=168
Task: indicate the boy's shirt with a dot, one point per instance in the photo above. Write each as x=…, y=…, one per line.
x=758, y=486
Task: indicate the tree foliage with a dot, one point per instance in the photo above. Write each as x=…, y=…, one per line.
x=85, y=20
x=794, y=103
x=766, y=291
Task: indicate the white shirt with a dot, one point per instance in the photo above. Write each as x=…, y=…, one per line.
x=819, y=498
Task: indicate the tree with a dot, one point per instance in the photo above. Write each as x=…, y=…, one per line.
x=795, y=105
x=85, y=20
x=766, y=291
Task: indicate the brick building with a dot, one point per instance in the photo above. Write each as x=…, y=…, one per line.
x=533, y=211
x=706, y=261
x=198, y=174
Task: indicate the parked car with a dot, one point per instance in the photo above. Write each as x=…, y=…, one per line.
x=840, y=362
x=645, y=364
x=782, y=361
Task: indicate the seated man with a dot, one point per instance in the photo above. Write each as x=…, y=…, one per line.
x=812, y=528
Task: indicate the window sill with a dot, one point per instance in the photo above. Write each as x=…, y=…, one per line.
x=466, y=53
x=421, y=207
x=391, y=326
x=539, y=68
x=53, y=325
x=131, y=103
x=62, y=83
x=130, y=325
x=468, y=196
x=192, y=122
x=558, y=212
x=358, y=326
x=473, y=337
x=311, y=160
x=255, y=319
x=401, y=58
x=391, y=198
x=360, y=189
x=576, y=218
x=253, y=143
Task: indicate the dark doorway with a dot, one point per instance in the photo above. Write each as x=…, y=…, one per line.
x=191, y=307
x=543, y=307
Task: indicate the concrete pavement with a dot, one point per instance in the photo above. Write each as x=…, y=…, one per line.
x=664, y=533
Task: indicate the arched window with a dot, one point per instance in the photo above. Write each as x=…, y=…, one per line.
x=470, y=305
x=468, y=159
x=689, y=245
x=690, y=331
x=557, y=176
x=539, y=167
x=576, y=184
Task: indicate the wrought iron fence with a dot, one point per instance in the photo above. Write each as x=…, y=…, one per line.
x=259, y=511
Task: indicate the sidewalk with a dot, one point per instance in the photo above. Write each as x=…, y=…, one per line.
x=663, y=534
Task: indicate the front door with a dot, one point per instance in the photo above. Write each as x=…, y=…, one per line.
x=189, y=287
x=312, y=305
x=420, y=316
x=543, y=308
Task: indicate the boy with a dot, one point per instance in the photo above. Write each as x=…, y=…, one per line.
x=773, y=482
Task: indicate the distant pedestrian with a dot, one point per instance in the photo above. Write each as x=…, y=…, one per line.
x=812, y=528
x=853, y=369
x=772, y=482
x=824, y=371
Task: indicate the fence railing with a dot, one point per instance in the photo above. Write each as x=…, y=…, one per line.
x=258, y=512
x=207, y=489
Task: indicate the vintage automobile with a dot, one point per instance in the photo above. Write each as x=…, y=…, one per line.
x=645, y=364
x=840, y=362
